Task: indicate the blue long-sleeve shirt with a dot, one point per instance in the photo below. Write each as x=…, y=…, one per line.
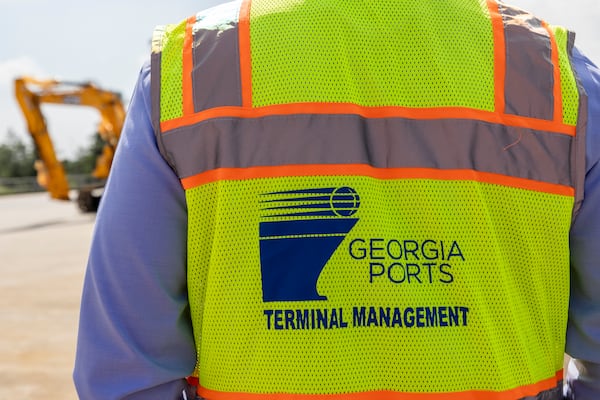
x=135, y=336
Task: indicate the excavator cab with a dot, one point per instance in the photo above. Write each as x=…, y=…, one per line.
x=31, y=93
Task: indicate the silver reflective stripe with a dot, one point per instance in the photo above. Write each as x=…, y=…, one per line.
x=529, y=71
x=216, y=72
x=155, y=59
x=578, y=150
x=212, y=63
x=382, y=143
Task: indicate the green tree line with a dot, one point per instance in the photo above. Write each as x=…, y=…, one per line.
x=17, y=157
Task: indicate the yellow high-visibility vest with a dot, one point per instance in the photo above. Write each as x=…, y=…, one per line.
x=379, y=196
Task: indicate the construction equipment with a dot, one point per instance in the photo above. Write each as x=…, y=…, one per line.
x=31, y=93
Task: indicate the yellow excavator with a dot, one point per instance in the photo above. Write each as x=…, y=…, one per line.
x=31, y=93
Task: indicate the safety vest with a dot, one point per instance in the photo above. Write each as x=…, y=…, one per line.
x=379, y=196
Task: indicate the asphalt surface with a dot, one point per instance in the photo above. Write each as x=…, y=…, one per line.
x=43, y=251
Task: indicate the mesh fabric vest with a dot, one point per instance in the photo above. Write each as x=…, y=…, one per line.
x=379, y=196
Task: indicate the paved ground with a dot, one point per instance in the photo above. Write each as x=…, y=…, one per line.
x=43, y=252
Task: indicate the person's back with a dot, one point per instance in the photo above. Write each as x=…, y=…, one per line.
x=379, y=196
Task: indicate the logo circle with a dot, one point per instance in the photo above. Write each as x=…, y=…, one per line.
x=344, y=201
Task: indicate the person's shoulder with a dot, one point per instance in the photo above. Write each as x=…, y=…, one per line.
x=580, y=57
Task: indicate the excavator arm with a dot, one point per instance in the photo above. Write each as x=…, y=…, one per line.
x=31, y=93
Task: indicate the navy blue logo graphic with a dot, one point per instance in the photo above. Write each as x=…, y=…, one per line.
x=299, y=232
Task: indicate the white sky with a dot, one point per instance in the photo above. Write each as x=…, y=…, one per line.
x=106, y=42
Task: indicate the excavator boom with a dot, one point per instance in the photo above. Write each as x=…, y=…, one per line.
x=31, y=93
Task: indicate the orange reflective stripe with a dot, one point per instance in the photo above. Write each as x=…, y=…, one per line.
x=245, y=53
x=512, y=394
x=370, y=112
x=221, y=174
x=499, y=56
x=558, y=103
x=188, y=64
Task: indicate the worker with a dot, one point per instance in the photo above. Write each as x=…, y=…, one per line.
x=351, y=200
